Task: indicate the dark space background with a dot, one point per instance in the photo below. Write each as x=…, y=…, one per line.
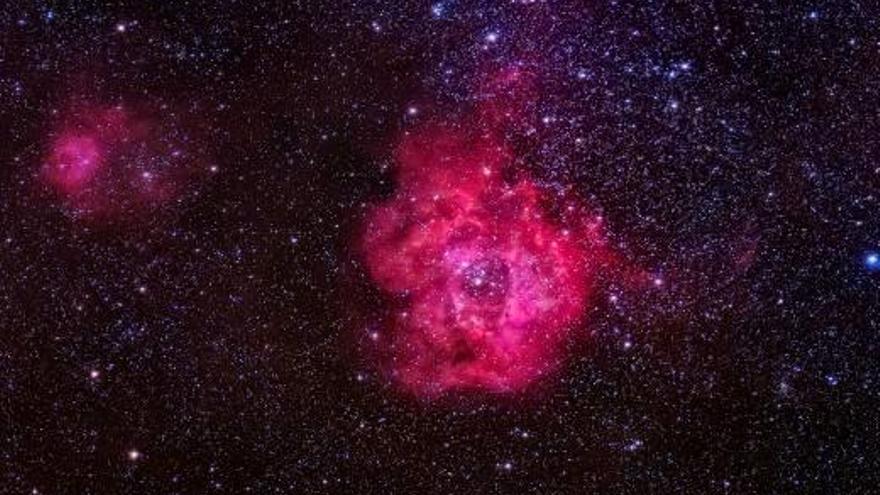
x=214, y=347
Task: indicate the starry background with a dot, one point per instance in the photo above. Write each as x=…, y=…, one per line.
x=213, y=347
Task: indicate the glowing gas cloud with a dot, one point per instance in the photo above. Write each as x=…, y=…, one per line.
x=492, y=273
x=115, y=161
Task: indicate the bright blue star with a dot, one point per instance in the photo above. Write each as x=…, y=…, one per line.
x=872, y=261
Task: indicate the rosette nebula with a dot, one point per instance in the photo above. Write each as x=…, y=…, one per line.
x=492, y=273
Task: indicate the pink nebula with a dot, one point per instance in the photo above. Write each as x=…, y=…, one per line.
x=493, y=282
x=75, y=161
x=109, y=162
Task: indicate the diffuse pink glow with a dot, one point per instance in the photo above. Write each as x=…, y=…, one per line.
x=74, y=162
x=110, y=162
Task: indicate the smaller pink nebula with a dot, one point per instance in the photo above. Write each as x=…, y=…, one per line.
x=113, y=162
x=74, y=162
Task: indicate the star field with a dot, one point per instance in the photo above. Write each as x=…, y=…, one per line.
x=525, y=246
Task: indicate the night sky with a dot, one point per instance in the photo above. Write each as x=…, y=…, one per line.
x=523, y=246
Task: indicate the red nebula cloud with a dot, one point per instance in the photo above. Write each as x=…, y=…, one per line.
x=493, y=282
x=106, y=161
x=76, y=160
